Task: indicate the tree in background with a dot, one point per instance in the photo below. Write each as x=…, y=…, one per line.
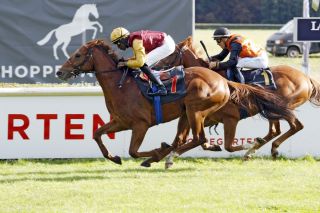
x=249, y=11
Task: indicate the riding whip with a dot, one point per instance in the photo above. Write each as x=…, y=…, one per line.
x=205, y=49
x=125, y=72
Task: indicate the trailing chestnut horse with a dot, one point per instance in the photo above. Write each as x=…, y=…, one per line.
x=206, y=92
x=293, y=86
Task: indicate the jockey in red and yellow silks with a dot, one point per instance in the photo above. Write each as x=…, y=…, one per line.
x=243, y=54
x=148, y=48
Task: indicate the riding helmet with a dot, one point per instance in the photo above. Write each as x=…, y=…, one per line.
x=118, y=33
x=221, y=32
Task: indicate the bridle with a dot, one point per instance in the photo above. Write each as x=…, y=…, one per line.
x=76, y=69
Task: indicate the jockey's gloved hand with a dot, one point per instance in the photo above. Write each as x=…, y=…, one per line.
x=213, y=65
x=121, y=59
x=121, y=64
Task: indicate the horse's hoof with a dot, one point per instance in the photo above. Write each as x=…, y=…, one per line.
x=216, y=148
x=275, y=154
x=261, y=140
x=117, y=160
x=247, y=157
x=168, y=165
x=145, y=164
x=164, y=145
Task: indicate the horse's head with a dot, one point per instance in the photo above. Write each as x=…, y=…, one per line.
x=185, y=54
x=92, y=9
x=82, y=60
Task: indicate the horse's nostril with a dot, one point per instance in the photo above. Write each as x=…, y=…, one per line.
x=59, y=73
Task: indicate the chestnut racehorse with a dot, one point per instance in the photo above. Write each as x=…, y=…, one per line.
x=206, y=92
x=292, y=85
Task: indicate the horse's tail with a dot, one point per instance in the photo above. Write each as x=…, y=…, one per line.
x=46, y=38
x=269, y=104
x=315, y=93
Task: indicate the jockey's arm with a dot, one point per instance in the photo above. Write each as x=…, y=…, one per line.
x=139, y=55
x=221, y=56
x=233, y=59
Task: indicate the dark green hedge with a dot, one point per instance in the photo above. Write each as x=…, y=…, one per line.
x=249, y=11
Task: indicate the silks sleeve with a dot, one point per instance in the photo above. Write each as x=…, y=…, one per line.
x=139, y=55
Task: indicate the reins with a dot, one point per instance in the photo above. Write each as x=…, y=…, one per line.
x=89, y=56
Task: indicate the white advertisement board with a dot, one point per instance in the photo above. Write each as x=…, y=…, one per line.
x=40, y=123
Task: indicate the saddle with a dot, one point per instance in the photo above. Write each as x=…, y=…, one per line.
x=162, y=74
x=173, y=79
x=260, y=77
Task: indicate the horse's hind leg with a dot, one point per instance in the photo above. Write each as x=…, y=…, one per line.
x=64, y=47
x=274, y=131
x=55, y=46
x=112, y=126
x=196, y=122
x=295, y=126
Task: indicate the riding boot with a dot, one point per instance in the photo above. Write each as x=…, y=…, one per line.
x=161, y=88
x=238, y=75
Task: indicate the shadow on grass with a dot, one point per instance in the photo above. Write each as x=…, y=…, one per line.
x=53, y=179
x=79, y=175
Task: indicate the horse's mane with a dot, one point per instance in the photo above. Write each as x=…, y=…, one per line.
x=188, y=42
x=104, y=45
x=197, y=51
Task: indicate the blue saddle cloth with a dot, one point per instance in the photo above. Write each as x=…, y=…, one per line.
x=262, y=77
x=174, y=84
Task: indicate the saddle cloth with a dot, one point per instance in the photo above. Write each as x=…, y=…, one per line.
x=262, y=77
x=173, y=79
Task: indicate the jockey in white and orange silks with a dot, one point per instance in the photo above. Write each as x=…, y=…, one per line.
x=243, y=54
x=148, y=48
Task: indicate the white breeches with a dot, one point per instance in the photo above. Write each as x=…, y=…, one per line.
x=161, y=52
x=257, y=62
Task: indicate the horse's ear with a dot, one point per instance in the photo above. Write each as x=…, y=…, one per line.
x=189, y=39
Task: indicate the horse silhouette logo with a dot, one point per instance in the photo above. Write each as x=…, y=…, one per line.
x=79, y=24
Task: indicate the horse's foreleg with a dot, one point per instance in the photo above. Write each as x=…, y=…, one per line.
x=207, y=145
x=295, y=126
x=112, y=126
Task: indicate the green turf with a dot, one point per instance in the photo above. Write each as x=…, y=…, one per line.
x=192, y=185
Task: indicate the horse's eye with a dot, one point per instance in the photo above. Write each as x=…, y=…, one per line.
x=77, y=55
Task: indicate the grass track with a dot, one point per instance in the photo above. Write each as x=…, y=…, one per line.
x=193, y=185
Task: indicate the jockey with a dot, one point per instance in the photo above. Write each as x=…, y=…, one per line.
x=243, y=54
x=148, y=48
